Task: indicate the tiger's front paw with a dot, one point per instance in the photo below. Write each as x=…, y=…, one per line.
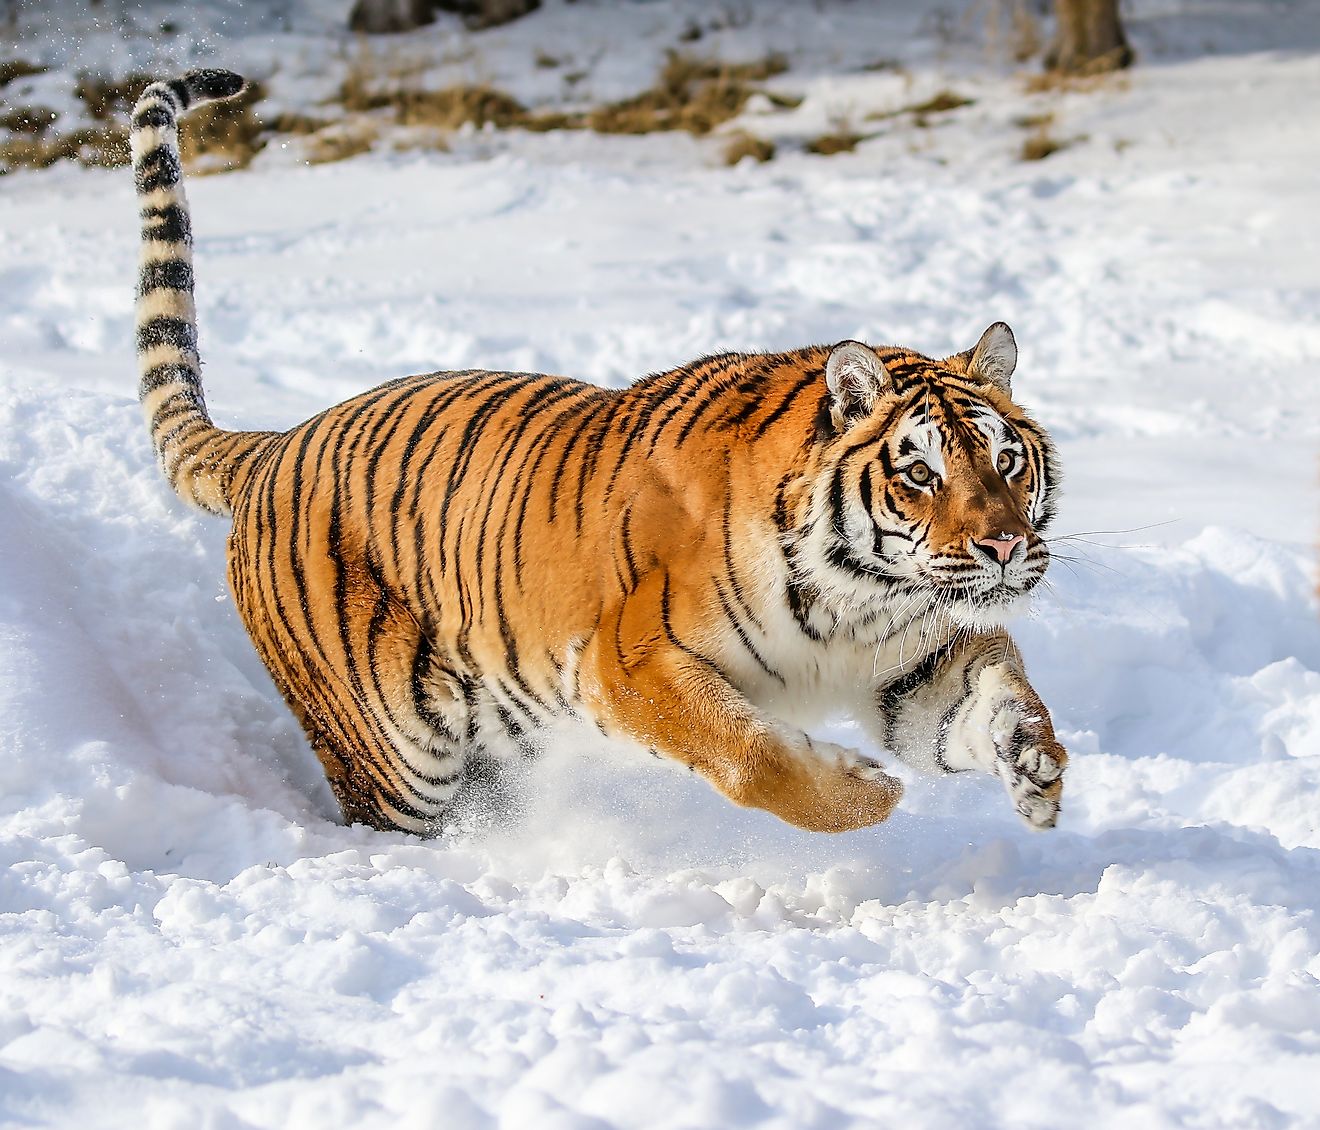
x=1030, y=763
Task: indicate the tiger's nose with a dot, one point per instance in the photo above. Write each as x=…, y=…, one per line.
x=1001, y=546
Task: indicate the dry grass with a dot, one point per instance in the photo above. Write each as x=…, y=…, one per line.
x=298, y=125
x=11, y=69
x=1039, y=145
x=692, y=94
x=105, y=98
x=457, y=106
x=28, y=119
x=103, y=147
x=1042, y=141
x=1057, y=82
x=742, y=145
x=941, y=102
x=842, y=140
x=222, y=135
x=372, y=83
x=341, y=141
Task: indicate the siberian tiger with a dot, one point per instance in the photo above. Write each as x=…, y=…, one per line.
x=701, y=563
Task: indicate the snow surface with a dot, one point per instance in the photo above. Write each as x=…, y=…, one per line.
x=189, y=938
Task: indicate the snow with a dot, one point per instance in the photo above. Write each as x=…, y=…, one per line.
x=188, y=937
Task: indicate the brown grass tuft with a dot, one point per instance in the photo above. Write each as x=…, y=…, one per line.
x=373, y=83
x=11, y=69
x=110, y=98
x=458, y=105
x=742, y=145
x=941, y=103
x=28, y=119
x=299, y=125
x=841, y=140
x=341, y=141
x=1042, y=140
x=692, y=94
x=1084, y=82
x=1039, y=145
x=103, y=147
x=227, y=131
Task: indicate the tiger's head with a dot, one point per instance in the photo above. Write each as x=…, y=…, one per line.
x=932, y=482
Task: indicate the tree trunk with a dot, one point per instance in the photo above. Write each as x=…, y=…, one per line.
x=378, y=17
x=1088, y=38
x=479, y=14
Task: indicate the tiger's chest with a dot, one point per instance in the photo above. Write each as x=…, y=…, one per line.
x=803, y=661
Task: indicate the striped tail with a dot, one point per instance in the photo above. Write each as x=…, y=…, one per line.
x=198, y=458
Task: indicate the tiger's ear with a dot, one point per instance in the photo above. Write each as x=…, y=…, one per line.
x=994, y=358
x=855, y=377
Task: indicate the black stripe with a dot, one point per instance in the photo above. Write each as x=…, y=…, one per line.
x=946, y=721
x=800, y=602
x=214, y=82
x=722, y=393
x=691, y=382
x=181, y=90
x=171, y=224
x=629, y=557
x=158, y=168
x=530, y=477
x=813, y=376
x=731, y=571
x=165, y=274
x=421, y=671
x=166, y=330
x=171, y=372
x=751, y=390
x=891, y=697
x=743, y=637
x=157, y=116
x=672, y=636
x=565, y=456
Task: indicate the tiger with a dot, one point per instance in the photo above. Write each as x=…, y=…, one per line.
x=701, y=565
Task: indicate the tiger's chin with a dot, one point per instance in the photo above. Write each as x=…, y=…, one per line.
x=989, y=610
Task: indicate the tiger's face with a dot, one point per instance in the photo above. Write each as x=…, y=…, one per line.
x=936, y=484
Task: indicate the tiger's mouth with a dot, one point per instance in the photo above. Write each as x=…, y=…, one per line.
x=988, y=608
x=988, y=602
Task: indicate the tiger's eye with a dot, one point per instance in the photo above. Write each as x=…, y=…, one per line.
x=919, y=473
x=1006, y=462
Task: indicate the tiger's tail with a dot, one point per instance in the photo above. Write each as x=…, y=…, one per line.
x=199, y=459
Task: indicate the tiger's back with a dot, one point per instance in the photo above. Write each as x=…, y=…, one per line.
x=445, y=546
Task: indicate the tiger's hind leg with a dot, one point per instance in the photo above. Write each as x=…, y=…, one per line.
x=385, y=719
